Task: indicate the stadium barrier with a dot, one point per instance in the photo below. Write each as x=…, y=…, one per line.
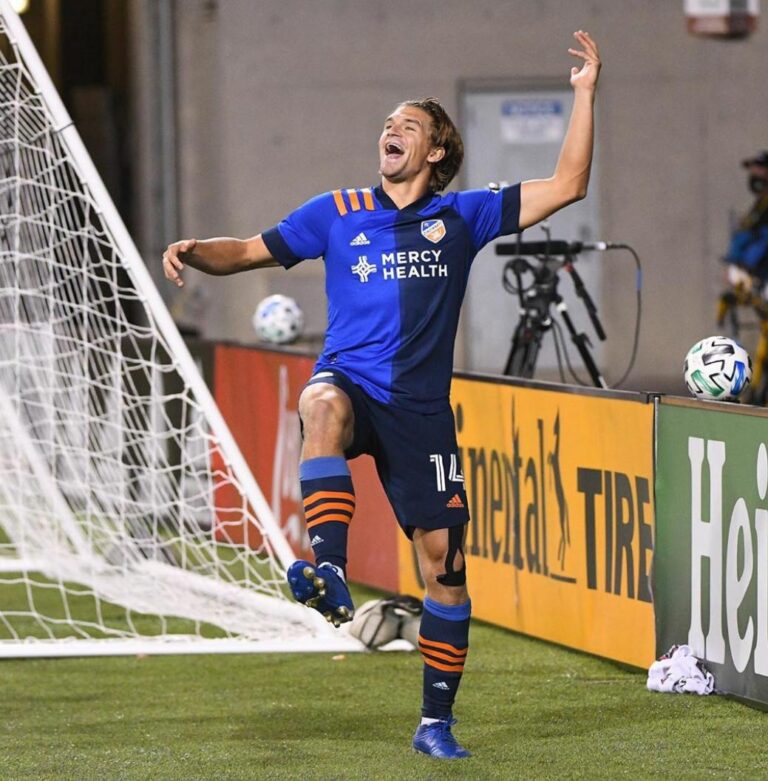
x=565, y=526
x=711, y=566
x=559, y=482
x=561, y=539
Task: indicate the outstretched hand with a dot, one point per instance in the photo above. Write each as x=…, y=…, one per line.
x=586, y=76
x=173, y=264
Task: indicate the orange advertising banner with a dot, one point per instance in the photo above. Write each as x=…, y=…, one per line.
x=257, y=392
x=560, y=544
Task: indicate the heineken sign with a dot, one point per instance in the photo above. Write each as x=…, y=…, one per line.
x=711, y=561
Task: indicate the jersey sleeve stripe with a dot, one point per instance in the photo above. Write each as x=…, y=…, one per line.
x=278, y=248
x=340, y=205
x=353, y=200
x=368, y=199
x=510, y=210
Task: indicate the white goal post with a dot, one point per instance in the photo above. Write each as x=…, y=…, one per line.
x=124, y=499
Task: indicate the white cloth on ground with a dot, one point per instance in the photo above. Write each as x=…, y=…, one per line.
x=679, y=671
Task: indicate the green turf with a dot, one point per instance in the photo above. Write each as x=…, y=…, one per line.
x=527, y=710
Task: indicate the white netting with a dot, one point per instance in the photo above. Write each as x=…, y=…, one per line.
x=119, y=514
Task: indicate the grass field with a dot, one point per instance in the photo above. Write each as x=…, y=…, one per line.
x=527, y=710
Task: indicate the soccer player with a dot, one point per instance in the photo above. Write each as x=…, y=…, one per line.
x=397, y=258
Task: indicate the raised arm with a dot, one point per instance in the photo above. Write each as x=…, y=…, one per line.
x=220, y=256
x=541, y=197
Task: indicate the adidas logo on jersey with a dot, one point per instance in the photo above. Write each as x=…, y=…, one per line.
x=359, y=241
x=455, y=501
x=441, y=685
x=316, y=540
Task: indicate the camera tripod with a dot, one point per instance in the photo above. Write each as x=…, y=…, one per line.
x=537, y=300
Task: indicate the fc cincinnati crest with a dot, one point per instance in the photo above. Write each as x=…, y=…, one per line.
x=433, y=230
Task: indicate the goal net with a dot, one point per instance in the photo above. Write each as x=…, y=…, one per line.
x=129, y=521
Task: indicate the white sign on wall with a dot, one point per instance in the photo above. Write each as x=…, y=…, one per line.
x=721, y=7
x=532, y=121
x=722, y=18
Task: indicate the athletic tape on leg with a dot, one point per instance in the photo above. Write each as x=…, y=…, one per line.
x=452, y=576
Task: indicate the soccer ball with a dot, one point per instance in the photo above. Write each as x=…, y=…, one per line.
x=380, y=621
x=278, y=319
x=717, y=368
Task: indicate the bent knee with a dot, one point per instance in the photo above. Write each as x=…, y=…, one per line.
x=449, y=570
x=441, y=559
x=326, y=412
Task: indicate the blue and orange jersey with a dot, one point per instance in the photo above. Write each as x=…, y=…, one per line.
x=395, y=281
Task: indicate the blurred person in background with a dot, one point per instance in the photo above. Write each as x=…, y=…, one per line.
x=747, y=255
x=747, y=274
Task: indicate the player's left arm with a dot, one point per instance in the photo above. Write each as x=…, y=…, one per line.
x=541, y=197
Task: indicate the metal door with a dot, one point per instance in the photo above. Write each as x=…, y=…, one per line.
x=511, y=136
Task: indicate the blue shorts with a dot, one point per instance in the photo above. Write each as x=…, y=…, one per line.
x=416, y=456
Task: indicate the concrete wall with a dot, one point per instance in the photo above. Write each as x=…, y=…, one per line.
x=281, y=99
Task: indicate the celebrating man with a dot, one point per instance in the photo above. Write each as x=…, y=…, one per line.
x=397, y=259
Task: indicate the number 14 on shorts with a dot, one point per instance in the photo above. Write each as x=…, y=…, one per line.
x=454, y=470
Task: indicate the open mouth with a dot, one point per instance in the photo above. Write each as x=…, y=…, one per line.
x=394, y=149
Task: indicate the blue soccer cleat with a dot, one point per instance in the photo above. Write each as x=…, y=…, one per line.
x=321, y=588
x=436, y=740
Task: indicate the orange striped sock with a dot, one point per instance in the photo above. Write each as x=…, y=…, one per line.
x=443, y=642
x=329, y=504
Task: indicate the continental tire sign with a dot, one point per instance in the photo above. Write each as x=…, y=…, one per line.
x=560, y=487
x=712, y=523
